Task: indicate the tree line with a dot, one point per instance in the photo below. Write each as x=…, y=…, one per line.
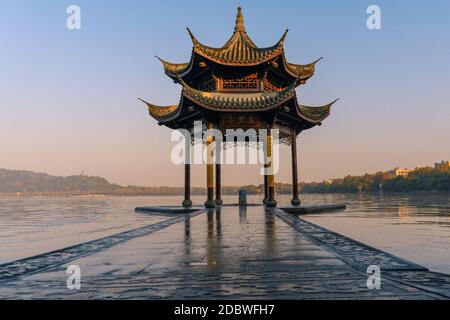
x=421, y=179
x=30, y=183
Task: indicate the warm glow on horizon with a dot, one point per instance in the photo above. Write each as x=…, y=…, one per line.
x=69, y=103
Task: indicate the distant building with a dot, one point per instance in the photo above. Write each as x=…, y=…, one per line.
x=402, y=172
x=442, y=165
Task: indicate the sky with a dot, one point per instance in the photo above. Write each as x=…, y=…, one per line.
x=68, y=98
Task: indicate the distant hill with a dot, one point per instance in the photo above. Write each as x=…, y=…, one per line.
x=14, y=182
x=28, y=182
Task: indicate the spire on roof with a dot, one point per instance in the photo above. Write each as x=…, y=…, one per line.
x=240, y=26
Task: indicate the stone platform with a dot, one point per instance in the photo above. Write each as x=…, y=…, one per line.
x=226, y=253
x=169, y=209
x=307, y=209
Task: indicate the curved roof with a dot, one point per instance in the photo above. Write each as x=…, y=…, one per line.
x=160, y=112
x=239, y=52
x=239, y=49
x=302, y=71
x=239, y=102
x=315, y=114
x=174, y=69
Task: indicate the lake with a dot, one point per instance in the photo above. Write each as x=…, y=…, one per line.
x=415, y=227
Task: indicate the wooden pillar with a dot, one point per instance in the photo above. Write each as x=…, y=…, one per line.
x=219, y=201
x=270, y=178
x=266, y=182
x=295, y=199
x=187, y=186
x=210, y=203
x=187, y=174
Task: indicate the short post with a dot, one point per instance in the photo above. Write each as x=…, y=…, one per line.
x=242, y=198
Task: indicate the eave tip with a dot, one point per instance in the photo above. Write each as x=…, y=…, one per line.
x=321, y=58
x=194, y=40
x=335, y=101
x=283, y=37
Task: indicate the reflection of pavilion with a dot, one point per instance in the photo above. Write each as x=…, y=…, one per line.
x=240, y=86
x=218, y=242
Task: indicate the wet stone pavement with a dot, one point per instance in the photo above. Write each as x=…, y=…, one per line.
x=228, y=253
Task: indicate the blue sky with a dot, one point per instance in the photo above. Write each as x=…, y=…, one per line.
x=68, y=98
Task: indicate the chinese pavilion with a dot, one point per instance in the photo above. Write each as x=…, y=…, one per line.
x=240, y=86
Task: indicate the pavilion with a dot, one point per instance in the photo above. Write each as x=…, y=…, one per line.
x=241, y=86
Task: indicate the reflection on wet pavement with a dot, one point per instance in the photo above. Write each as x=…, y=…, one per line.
x=228, y=253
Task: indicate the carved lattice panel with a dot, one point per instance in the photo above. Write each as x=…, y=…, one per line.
x=245, y=83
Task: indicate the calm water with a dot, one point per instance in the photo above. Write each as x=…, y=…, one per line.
x=414, y=227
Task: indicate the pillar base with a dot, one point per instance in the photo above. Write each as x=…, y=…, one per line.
x=219, y=202
x=271, y=203
x=264, y=201
x=186, y=203
x=210, y=204
x=296, y=202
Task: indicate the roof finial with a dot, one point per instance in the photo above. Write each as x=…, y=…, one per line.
x=240, y=27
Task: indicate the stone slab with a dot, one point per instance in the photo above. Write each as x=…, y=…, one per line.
x=310, y=209
x=169, y=209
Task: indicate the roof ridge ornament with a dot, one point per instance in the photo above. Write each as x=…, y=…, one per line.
x=240, y=26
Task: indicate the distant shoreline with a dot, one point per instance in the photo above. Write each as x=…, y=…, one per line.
x=89, y=196
x=28, y=183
